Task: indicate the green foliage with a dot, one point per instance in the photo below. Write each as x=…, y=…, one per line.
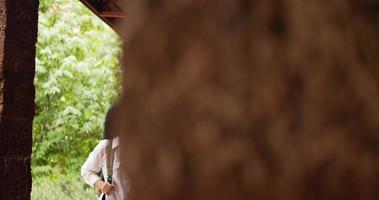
x=77, y=79
x=61, y=189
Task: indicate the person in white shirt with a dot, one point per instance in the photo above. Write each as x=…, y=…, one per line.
x=96, y=162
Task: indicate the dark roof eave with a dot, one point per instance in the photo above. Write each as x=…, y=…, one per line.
x=109, y=16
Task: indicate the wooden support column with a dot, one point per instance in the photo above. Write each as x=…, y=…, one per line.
x=18, y=36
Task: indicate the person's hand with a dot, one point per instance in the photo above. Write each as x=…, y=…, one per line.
x=107, y=188
x=104, y=187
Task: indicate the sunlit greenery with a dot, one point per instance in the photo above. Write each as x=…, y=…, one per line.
x=45, y=188
x=77, y=79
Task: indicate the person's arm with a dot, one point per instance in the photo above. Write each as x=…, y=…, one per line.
x=93, y=165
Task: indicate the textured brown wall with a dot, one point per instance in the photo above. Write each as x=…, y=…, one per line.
x=18, y=35
x=252, y=99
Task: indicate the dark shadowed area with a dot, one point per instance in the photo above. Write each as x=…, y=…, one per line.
x=238, y=99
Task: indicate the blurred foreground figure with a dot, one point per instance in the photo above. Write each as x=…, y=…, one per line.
x=244, y=99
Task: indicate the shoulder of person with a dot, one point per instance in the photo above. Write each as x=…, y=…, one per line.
x=101, y=146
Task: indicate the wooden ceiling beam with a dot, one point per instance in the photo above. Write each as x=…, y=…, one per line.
x=110, y=1
x=112, y=14
x=108, y=16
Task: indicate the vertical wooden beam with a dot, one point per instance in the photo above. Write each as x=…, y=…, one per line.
x=18, y=36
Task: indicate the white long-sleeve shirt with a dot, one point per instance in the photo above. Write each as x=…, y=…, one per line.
x=96, y=161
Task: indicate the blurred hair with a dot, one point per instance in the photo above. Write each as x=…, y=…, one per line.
x=109, y=123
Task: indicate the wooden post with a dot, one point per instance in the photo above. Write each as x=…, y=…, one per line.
x=18, y=36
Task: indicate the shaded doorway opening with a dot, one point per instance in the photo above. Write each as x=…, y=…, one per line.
x=77, y=78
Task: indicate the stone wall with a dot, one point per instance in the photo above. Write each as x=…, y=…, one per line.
x=240, y=99
x=18, y=35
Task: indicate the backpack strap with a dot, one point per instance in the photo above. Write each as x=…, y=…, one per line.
x=109, y=159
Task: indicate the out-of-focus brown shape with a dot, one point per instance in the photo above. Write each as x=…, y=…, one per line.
x=243, y=99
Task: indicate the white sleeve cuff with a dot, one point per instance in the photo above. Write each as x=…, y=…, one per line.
x=92, y=179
